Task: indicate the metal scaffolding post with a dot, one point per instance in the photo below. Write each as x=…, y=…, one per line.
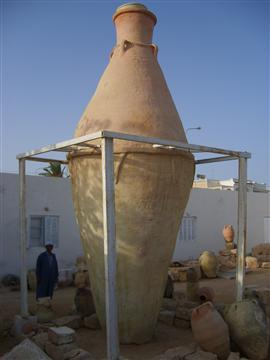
x=109, y=248
x=242, y=227
x=22, y=222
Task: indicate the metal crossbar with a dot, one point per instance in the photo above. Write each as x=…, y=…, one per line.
x=107, y=139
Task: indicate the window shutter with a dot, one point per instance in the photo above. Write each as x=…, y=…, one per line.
x=51, y=230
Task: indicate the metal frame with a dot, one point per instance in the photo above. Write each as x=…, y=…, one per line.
x=107, y=139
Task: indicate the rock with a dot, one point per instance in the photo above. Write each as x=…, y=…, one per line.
x=78, y=354
x=266, y=265
x=179, y=274
x=201, y=355
x=26, y=350
x=263, y=294
x=71, y=321
x=57, y=352
x=195, y=264
x=234, y=356
x=29, y=328
x=183, y=313
x=11, y=280
x=84, y=302
x=251, y=262
x=44, y=310
x=181, y=323
x=189, y=304
x=166, y=317
x=180, y=352
x=169, y=304
x=61, y=335
x=92, y=322
x=227, y=262
x=40, y=340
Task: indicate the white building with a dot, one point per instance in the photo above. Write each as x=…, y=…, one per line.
x=50, y=213
x=230, y=184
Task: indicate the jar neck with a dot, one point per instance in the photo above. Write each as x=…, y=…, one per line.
x=134, y=27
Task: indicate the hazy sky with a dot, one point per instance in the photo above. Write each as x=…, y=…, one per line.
x=214, y=55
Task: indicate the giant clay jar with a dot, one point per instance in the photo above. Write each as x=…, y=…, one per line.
x=210, y=331
x=152, y=185
x=249, y=328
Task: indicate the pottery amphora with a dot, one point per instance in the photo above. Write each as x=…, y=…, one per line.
x=228, y=233
x=249, y=328
x=210, y=331
x=152, y=185
x=209, y=263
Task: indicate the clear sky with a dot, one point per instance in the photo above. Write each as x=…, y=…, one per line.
x=214, y=55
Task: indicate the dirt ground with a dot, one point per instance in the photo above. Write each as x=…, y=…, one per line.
x=95, y=341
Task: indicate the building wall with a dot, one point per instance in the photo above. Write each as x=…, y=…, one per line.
x=212, y=208
x=41, y=192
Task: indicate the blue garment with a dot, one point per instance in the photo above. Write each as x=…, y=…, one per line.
x=47, y=274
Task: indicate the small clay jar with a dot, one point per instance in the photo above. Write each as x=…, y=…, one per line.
x=205, y=294
x=228, y=233
x=210, y=331
x=209, y=264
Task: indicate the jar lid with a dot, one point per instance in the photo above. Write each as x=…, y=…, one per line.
x=134, y=7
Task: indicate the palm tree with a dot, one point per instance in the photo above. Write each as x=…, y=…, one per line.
x=54, y=169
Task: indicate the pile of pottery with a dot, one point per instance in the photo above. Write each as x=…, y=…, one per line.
x=227, y=258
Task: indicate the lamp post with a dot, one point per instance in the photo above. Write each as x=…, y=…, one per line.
x=194, y=128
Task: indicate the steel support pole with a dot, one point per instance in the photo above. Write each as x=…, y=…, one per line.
x=22, y=224
x=109, y=248
x=242, y=227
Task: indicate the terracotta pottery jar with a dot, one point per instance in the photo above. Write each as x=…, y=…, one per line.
x=152, y=185
x=206, y=293
x=209, y=263
x=210, y=331
x=249, y=328
x=228, y=233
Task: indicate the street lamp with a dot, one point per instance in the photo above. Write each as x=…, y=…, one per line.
x=194, y=128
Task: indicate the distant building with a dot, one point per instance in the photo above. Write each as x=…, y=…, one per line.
x=231, y=184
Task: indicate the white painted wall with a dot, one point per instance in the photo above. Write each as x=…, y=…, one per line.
x=213, y=209
x=41, y=192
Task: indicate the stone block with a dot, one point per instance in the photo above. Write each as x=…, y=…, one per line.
x=166, y=317
x=78, y=354
x=26, y=350
x=169, y=304
x=234, y=356
x=201, y=355
x=61, y=335
x=182, y=324
x=180, y=352
x=266, y=265
x=195, y=264
x=251, y=262
x=179, y=295
x=92, y=322
x=183, y=313
x=57, y=352
x=179, y=274
x=189, y=304
x=72, y=321
x=21, y=323
x=40, y=340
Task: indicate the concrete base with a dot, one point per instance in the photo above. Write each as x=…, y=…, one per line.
x=20, y=321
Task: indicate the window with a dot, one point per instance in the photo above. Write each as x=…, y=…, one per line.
x=42, y=230
x=187, y=231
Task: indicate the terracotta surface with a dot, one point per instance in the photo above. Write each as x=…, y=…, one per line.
x=228, y=233
x=151, y=185
x=210, y=330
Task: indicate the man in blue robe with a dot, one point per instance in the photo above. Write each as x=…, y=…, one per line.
x=46, y=272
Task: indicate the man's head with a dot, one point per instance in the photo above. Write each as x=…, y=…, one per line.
x=49, y=247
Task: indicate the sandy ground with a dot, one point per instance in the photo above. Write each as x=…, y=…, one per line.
x=95, y=341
